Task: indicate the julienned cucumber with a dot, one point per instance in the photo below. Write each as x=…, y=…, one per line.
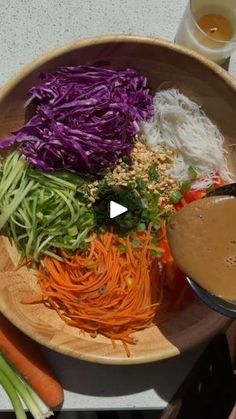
x=40, y=211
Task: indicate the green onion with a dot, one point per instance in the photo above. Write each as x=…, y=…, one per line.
x=155, y=253
x=141, y=227
x=175, y=197
x=136, y=243
x=127, y=160
x=157, y=223
x=193, y=174
x=122, y=248
x=102, y=289
x=16, y=386
x=141, y=185
x=45, y=412
x=13, y=396
x=186, y=185
x=156, y=240
x=153, y=172
x=103, y=185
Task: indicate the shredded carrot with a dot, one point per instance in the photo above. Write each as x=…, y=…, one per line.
x=116, y=289
x=112, y=290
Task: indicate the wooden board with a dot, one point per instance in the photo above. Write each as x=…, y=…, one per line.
x=164, y=64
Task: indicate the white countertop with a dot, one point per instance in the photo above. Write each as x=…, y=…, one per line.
x=29, y=28
x=99, y=387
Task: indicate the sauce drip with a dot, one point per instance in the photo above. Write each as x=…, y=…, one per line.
x=202, y=238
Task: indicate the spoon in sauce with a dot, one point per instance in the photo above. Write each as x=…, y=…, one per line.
x=202, y=237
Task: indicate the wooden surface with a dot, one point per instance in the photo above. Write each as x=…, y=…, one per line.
x=164, y=64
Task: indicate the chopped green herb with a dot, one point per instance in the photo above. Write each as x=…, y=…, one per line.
x=135, y=243
x=103, y=185
x=141, y=185
x=141, y=227
x=157, y=224
x=153, y=172
x=186, y=185
x=155, y=253
x=127, y=197
x=151, y=210
x=127, y=160
x=167, y=216
x=102, y=289
x=122, y=248
x=155, y=240
x=193, y=174
x=175, y=197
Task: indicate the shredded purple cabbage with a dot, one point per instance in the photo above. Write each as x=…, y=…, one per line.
x=86, y=118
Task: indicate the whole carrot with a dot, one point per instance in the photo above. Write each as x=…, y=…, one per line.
x=24, y=354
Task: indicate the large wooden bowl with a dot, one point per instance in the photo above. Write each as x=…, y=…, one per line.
x=161, y=62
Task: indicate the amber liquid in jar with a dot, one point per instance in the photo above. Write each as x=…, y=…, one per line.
x=216, y=27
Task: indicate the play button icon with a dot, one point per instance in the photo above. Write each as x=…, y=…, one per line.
x=116, y=209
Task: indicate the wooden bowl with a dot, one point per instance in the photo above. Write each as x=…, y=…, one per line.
x=163, y=63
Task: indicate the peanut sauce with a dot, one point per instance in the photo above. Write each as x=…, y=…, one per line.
x=202, y=238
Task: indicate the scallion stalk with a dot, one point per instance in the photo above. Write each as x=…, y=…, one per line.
x=15, y=387
x=41, y=405
x=13, y=396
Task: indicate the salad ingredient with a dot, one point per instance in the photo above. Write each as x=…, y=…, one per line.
x=143, y=208
x=85, y=119
x=41, y=211
x=113, y=290
x=181, y=125
x=11, y=177
x=114, y=277
x=15, y=386
x=193, y=174
x=147, y=166
x=153, y=172
x=13, y=396
x=24, y=354
x=175, y=197
x=202, y=240
x=186, y=185
x=145, y=174
x=127, y=197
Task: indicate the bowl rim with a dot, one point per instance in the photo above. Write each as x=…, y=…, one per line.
x=106, y=39
x=219, y=321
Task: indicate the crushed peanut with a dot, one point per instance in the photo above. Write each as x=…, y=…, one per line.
x=143, y=159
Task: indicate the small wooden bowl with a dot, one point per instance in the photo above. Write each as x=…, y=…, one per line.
x=165, y=64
